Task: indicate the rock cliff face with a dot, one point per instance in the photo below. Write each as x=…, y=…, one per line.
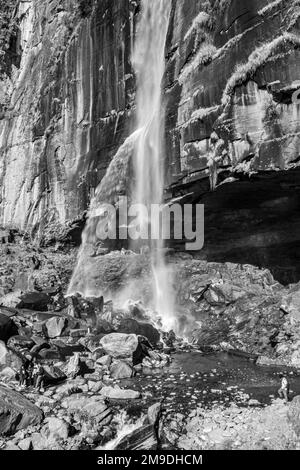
x=232, y=68
x=65, y=107
x=232, y=126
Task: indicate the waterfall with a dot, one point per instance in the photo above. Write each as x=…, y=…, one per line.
x=144, y=151
x=149, y=64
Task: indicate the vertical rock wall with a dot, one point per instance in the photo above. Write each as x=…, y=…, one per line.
x=67, y=107
x=232, y=69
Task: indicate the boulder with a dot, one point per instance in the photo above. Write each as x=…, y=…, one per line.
x=94, y=387
x=7, y=374
x=9, y=358
x=50, y=354
x=34, y=301
x=7, y=328
x=91, y=343
x=53, y=374
x=56, y=429
x=294, y=414
x=154, y=412
x=16, y=412
x=12, y=299
x=74, y=366
x=130, y=325
x=20, y=342
x=117, y=393
x=25, y=444
x=119, y=344
x=93, y=408
x=55, y=326
x=121, y=370
x=141, y=351
x=104, y=360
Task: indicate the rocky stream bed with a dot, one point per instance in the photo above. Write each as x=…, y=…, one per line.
x=115, y=380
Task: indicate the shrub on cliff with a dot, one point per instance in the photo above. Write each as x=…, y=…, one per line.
x=8, y=29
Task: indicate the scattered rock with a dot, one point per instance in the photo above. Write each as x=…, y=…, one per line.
x=294, y=414
x=34, y=301
x=56, y=429
x=130, y=325
x=74, y=366
x=16, y=412
x=121, y=370
x=25, y=444
x=104, y=360
x=116, y=393
x=7, y=328
x=9, y=358
x=119, y=344
x=154, y=413
x=143, y=438
x=55, y=326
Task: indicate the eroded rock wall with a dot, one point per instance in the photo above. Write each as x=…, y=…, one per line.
x=232, y=69
x=65, y=107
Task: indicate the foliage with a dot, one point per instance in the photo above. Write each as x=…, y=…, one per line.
x=8, y=27
x=258, y=58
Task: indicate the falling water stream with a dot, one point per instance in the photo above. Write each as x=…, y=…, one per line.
x=149, y=64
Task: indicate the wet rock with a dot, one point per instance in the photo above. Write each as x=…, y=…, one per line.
x=7, y=328
x=88, y=309
x=16, y=412
x=142, y=351
x=119, y=345
x=116, y=393
x=143, y=438
x=130, y=325
x=55, y=326
x=104, y=327
x=121, y=370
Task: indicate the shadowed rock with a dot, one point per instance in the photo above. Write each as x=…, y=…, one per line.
x=16, y=412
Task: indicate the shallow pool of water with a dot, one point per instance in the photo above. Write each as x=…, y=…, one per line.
x=194, y=379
